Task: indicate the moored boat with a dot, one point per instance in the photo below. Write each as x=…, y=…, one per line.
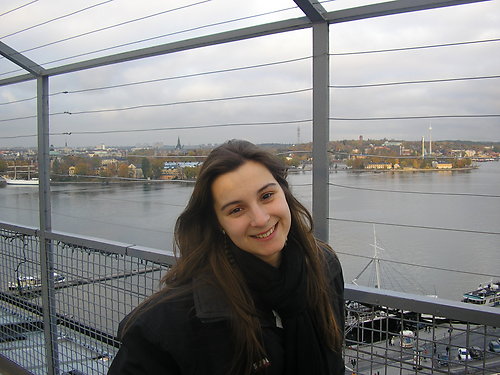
x=487, y=295
x=30, y=282
x=31, y=182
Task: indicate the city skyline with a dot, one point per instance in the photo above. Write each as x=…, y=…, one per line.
x=258, y=89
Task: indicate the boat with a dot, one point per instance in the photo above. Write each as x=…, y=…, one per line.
x=487, y=295
x=25, y=283
x=25, y=171
x=17, y=181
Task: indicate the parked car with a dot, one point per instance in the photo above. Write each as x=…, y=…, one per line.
x=494, y=346
x=476, y=352
x=463, y=354
x=443, y=359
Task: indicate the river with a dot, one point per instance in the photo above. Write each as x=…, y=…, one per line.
x=418, y=260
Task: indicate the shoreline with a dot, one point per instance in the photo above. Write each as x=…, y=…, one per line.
x=414, y=170
x=112, y=181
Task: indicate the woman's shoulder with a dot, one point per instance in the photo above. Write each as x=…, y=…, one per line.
x=330, y=256
x=162, y=312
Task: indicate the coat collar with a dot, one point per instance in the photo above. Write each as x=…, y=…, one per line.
x=209, y=302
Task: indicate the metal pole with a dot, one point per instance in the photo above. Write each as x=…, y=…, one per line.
x=46, y=252
x=321, y=133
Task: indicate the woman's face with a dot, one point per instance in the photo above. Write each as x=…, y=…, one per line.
x=251, y=208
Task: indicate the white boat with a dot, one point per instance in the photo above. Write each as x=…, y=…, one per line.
x=31, y=282
x=487, y=295
x=33, y=181
x=25, y=171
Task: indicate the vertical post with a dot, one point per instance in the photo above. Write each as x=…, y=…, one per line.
x=321, y=131
x=46, y=254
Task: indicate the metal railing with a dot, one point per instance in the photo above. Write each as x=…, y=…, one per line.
x=95, y=283
x=62, y=296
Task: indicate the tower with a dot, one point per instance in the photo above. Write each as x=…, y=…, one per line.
x=430, y=139
x=298, y=135
x=178, y=146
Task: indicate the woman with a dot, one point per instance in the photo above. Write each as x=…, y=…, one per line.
x=253, y=292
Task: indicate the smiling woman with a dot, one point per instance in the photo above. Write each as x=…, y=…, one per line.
x=252, y=292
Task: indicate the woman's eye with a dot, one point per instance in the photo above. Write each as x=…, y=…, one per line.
x=234, y=211
x=267, y=195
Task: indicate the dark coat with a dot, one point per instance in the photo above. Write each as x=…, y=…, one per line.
x=192, y=335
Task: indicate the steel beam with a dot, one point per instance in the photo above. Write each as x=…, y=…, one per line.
x=389, y=8
x=20, y=60
x=321, y=133
x=189, y=44
x=46, y=251
x=423, y=304
x=313, y=11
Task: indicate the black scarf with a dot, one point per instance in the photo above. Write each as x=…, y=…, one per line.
x=284, y=290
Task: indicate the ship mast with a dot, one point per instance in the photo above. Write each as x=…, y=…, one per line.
x=376, y=258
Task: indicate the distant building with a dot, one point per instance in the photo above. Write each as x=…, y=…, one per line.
x=135, y=172
x=180, y=164
x=441, y=165
x=379, y=166
x=392, y=144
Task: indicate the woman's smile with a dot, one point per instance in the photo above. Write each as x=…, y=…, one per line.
x=266, y=234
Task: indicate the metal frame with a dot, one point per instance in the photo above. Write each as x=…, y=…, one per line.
x=316, y=18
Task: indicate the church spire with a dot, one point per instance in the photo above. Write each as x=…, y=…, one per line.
x=179, y=146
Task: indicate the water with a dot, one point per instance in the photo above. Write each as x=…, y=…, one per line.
x=449, y=262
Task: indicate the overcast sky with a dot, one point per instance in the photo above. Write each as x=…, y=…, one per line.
x=143, y=112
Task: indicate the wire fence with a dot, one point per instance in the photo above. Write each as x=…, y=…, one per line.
x=92, y=289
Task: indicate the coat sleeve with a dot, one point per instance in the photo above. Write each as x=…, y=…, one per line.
x=337, y=288
x=336, y=282
x=140, y=356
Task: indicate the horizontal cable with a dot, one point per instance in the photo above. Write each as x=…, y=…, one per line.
x=188, y=102
x=114, y=26
x=411, y=82
x=17, y=118
x=404, y=191
x=410, y=117
x=17, y=8
x=416, y=47
x=19, y=136
x=415, y=192
x=93, y=219
x=186, y=127
x=420, y=265
x=166, y=78
x=19, y=100
x=187, y=75
x=56, y=19
x=197, y=101
x=253, y=96
x=414, y=226
x=266, y=123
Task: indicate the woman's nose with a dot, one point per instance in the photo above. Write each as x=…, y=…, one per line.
x=260, y=217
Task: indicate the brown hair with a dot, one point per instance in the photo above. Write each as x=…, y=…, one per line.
x=200, y=244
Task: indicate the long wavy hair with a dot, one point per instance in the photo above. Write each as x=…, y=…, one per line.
x=200, y=246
